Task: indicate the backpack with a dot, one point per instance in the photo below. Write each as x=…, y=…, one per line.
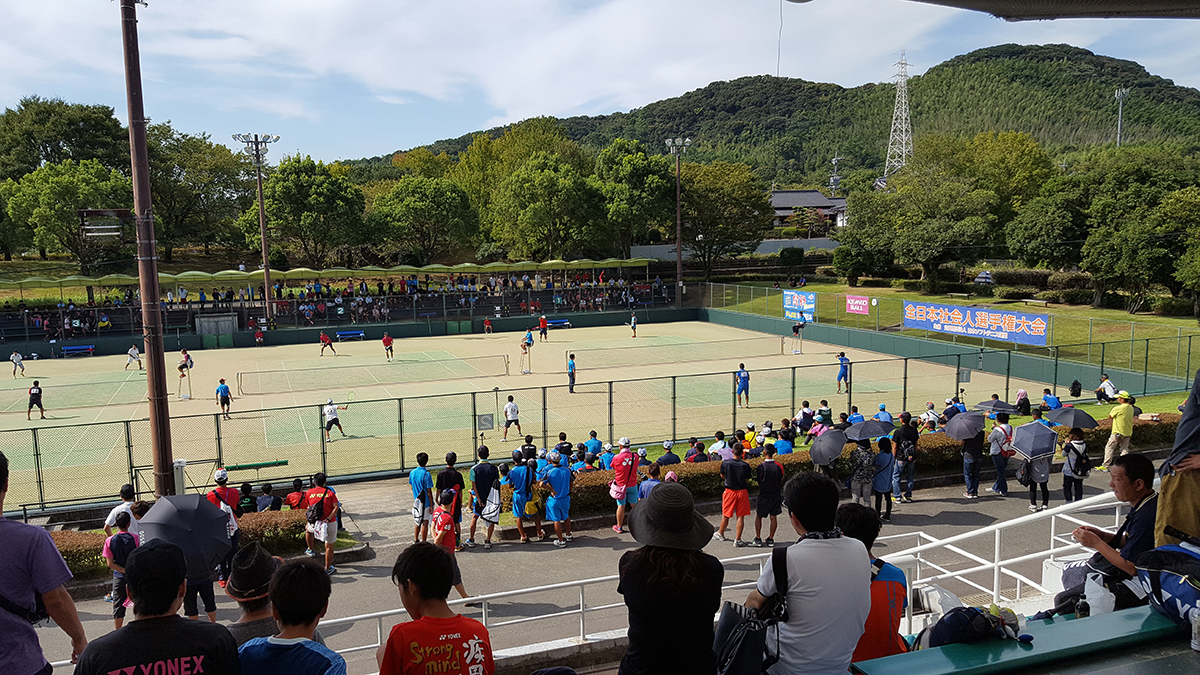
x=957, y=626
x=1082, y=466
x=1024, y=476
x=1171, y=577
x=906, y=450
x=1006, y=448
x=741, y=634
x=316, y=511
x=1076, y=389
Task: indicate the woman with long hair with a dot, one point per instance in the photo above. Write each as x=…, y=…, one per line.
x=670, y=582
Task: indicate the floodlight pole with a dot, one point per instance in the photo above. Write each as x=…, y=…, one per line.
x=147, y=257
x=677, y=147
x=1122, y=94
x=257, y=146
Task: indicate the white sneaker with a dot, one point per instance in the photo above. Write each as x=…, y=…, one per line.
x=717, y=536
x=1032, y=507
x=989, y=489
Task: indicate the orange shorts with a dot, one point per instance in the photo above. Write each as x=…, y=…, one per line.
x=735, y=503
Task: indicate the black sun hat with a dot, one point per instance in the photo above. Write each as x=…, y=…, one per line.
x=250, y=573
x=667, y=517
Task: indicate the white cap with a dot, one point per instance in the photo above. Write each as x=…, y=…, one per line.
x=759, y=439
x=221, y=475
x=641, y=452
x=330, y=401
x=667, y=445
x=606, y=446
x=541, y=453
x=749, y=425
x=623, y=442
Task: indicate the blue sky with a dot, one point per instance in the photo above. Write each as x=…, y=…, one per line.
x=351, y=78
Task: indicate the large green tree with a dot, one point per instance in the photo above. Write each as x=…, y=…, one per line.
x=198, y=187
x=310, y=211
x=638, y=191
x=47, y=201
x=547, y=209
x=427, y=217
x=47, y=131
x=726, y=212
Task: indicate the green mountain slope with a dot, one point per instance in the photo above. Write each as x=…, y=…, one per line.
x=788, y=128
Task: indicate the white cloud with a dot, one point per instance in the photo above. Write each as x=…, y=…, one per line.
x=523, y=57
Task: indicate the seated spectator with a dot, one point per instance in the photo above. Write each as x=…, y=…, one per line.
x=843, y=422
x=889, y=588
x=589, y=463
x=829, y=580
x=1036, y=413
x=930, y=415
x=155, y=574
x=247, y=502
x=1049, y=401
x=1107, y=391
x=930, y=427
x=883, y=415
x=437, y=639
x=647, y=485
x=668, y=456
x=1132, y=481
x=249, y=582
x=299, y=596
x=296, y=496
x=268, y=501
x=696, y=453
x=855, y=416
x=642, y=461
x=670, y=582
x=1022, y=404
x=116, y=553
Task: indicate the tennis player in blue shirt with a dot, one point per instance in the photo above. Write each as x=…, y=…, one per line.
x=742, y=378
x=224, y=398
x=843, y=372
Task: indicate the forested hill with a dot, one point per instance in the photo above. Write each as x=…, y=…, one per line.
x=786, y=128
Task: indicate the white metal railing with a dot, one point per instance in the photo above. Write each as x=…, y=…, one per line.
x=914, y=560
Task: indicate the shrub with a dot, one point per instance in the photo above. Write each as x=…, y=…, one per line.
x=907, y=284
x=822, y=279
x=875, y=283
x=826, y=271
x=83, y=551
x=1013, y=292
x=1009, y=276
x=1169, y=306
x=983, y=290
x=791, y=256
x=1061, y=281
x=280, y=532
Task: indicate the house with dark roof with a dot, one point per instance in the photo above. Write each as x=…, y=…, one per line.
x=788, y=202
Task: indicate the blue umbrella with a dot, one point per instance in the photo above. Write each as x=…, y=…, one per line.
x=1034, y=440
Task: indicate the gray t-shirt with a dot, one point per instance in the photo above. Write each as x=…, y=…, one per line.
x=29, y=564
x=245, y=632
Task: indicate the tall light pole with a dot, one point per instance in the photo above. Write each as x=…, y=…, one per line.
x=677, y=147
x=1122, y=94
x=256, y=145
x=147, y=257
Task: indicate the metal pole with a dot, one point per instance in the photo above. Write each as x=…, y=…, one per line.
x=734, y=403
x=1007, y=375
x=1090, y=322
x=792, y=410
x=1132, y=327
x=156, y=380
x=262, y=228
x=678, y=230
x=400, y=427
x=1146, y=368
x=1054, y=384
x=610, y=411
x=674, y=410
x=545, y=420
x=37, y=465
x=904, y=395
x=849, y=385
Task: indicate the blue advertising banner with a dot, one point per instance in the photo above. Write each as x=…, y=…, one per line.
x=1026, y=329
x=797, y=302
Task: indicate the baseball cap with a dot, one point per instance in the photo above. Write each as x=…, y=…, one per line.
x=667, y=445
x=641, y=452
x=330, y=401
x=541, y=453
x=750, y=425
x=760, y=438
x=929, y=404
x=949, y=401
x=881, y=406
x=1122, y=394
x=222, y=380
x=606, y=446
x=221, y=475
x=154, y=567
x=623, y=441
x=768, y=424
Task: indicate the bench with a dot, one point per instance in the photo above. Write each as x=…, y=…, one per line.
x=1054, y=640
x=964, y=296
x=558, y=323
x=427, y=315
x=76, y=350
x=350, y=335
x=256, y=466
x=178, y=328
x=1039, y=303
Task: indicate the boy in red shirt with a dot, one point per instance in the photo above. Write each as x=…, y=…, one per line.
x=443, y=535
x=487, y=325
x=325, y=529
x=326, y=342
x=437, y=640
x=387, y=347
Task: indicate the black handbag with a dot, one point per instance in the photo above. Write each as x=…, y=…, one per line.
x=741, y=636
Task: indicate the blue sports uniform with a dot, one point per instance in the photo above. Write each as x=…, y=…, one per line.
x=743, y=381
x=593, y=446
x=528, y=338
x=522, y=483
x=843, y=369
x=558, y=506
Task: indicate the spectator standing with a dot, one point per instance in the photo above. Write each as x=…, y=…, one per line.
x=559, y=480
x=155, y=574
x=249, y=585
x=625, y=482
x=735, y=501
x=1107, y=391
x=1073, y=474
x=1039, y=476
x=523, y=475
x=881, y=484
x=828, y=594
x=889, y=588
x=862, y=472
x=226, y=499
x=605, y=457
x=904, y=447
x=268, y=501
x=449, y=478
x=127, y=497
x=443, y=535
x=299, y=594
x=670, y=581
x=484, y=478
x=421, y=482
x=1179, y=503
x=972, y=458
x=436, y=640
x=200, y=589
x=1000, y=444
x=325, y=529
x=1122, y=430
x=769, y=476
x=593, y=444
x=116, y=553
x=668, y=457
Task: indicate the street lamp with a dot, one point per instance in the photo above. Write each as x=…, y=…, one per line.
x=1122, y=94
x=677, y=147
x=256, y=146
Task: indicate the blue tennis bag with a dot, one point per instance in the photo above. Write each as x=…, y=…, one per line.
x=1170, y=575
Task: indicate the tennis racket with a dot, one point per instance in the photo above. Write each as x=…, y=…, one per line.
x=349, y=399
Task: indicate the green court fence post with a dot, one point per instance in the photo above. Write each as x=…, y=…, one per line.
x=674, y=413
x=734, y=403
x=849, y=386
x=546, y=418
x=400, y=427
x=217, y=430
x=904, y=395
x=324, y=450
x=876, y=308
x=793, y=408
x=1007, y=375
x=37, y=465
x=474, y=424
x=1131, y=329
x=1188, y=370
x=1146, y=368
x=957, y=370
x=1054, y=384
x=1090, y=322
x=1178, y=347
x=610, y=411
x=129, y=454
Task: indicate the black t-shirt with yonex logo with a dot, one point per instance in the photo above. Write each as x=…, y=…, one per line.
x=770, y=478
x=165, y=645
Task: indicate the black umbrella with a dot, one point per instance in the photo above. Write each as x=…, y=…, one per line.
x=869, y=429
x=1034, y=440
x=828, y=447
x=1072, y=417
x=192, y=523
x=996, y=406
x=964, y=425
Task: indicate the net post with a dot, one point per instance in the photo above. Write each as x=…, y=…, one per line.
x=610, y=411
x=674, y=410
x=37, y=465
x=400, y=428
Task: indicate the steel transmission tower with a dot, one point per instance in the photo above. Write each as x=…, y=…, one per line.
x=900, y=145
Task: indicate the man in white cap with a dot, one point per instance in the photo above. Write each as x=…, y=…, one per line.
x=331, y=419
x=668, y=456
x=543, y=326
x=625, y=482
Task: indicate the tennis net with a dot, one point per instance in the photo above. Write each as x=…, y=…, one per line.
x=396, y=372
x=613, y=357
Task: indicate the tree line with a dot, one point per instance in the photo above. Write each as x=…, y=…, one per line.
x=529, y=193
